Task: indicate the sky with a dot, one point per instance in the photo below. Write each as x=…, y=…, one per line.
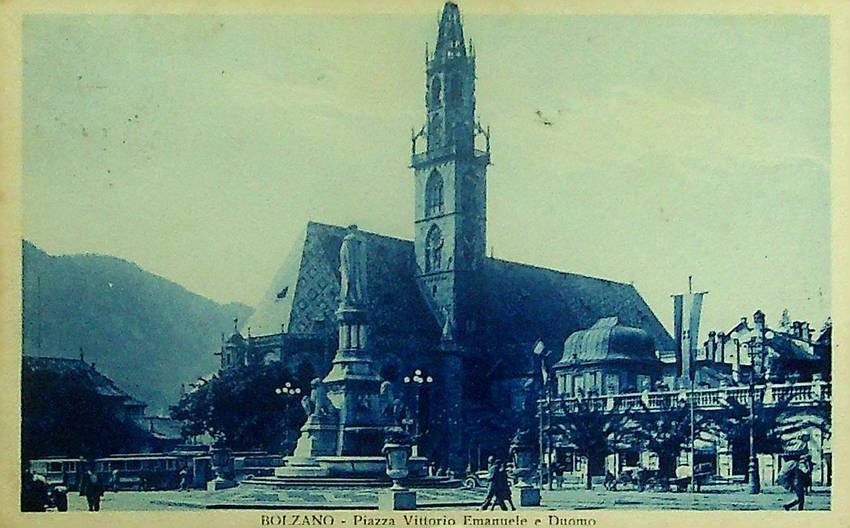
x=198, y=147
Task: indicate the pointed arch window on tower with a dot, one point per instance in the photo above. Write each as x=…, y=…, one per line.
x=433, y=249
x=434, y=94
x=434, y=194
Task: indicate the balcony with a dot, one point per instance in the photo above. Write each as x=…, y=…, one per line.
x=796, y=394
x=421, y=158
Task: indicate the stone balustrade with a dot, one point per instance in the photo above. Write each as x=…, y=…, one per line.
x=798, y=394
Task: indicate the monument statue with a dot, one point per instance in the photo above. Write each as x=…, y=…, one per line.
x=318, y=403
x=352, y=269
x=307, y=404
x=386, y=396
x=448, y=326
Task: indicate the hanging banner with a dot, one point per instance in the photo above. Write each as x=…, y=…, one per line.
x=678, y=301
x=690, y=333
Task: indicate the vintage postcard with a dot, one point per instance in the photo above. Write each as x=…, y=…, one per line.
x=429, y=264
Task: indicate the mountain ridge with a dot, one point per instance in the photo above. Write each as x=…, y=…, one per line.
x=146, y=332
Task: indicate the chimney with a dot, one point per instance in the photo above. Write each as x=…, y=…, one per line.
x=736, y=362
x=744, y=322
x=721, y=352
x=712, y=346
x=758, y=320
x=796, y=328
x=805, y=331
x=82, y=356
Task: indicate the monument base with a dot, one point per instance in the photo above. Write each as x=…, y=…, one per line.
x=220, y=484
x=345, y=467
x=529, y=496
x=397, y=500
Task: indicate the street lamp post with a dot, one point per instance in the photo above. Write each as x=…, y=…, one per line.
x=752, y=471
x=417, y=380
x=289, y=391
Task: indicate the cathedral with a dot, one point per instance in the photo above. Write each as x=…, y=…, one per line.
x=451, y=327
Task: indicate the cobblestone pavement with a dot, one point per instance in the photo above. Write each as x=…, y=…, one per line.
x=566, y=499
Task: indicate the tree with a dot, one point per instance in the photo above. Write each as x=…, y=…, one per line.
x=668, y=433
x=590, y=430
x=734, y=420
x=244, y=405
x=62, y=414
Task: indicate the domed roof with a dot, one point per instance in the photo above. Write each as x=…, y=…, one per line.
x=608, y=340
x=235, y=339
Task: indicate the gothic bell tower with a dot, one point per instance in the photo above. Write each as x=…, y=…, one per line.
x=450, y=173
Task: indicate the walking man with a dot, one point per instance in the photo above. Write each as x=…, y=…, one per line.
x=491, y=482
x=184, y=479
x=502, y=488
x=94, y=491
x=799, y=479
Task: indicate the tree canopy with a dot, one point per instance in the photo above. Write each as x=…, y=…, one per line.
x=244, y=406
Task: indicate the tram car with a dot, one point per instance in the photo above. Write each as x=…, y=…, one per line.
x=58, y=471
x=139, y=471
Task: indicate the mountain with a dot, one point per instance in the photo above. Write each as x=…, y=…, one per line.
x=143, y=331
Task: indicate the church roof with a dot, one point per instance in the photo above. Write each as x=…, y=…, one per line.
x=524, y=303
x=518, y=303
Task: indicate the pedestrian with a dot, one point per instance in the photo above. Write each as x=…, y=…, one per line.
x=33, y=493
x=94, y=491
x=797, y=479
x=59, y=497
x=610, y=483
x=116, y=480
x=558, y=475
x=184, y=479
x=502, y=492
x=491, y=482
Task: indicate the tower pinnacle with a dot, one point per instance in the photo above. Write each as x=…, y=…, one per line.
x=450, y=41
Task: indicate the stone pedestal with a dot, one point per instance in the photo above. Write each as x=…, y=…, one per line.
x=528, y=496
x=398, y=500
x=220, y=484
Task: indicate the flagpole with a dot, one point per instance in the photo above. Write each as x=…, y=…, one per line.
x=692, y=376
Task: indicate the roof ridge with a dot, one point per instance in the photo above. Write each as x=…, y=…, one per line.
x=561, y=272
x=370, y=233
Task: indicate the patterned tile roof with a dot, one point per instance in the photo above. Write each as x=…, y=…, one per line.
x=401, y=323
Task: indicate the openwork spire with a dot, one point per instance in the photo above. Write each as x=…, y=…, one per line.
x=450, y=38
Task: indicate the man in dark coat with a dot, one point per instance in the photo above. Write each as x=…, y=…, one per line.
x=502, y=488
x=798, y=480
x=94, y=491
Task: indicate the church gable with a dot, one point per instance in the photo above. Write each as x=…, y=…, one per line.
x=401, y=323
x=317, y=291
x=274, y=308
